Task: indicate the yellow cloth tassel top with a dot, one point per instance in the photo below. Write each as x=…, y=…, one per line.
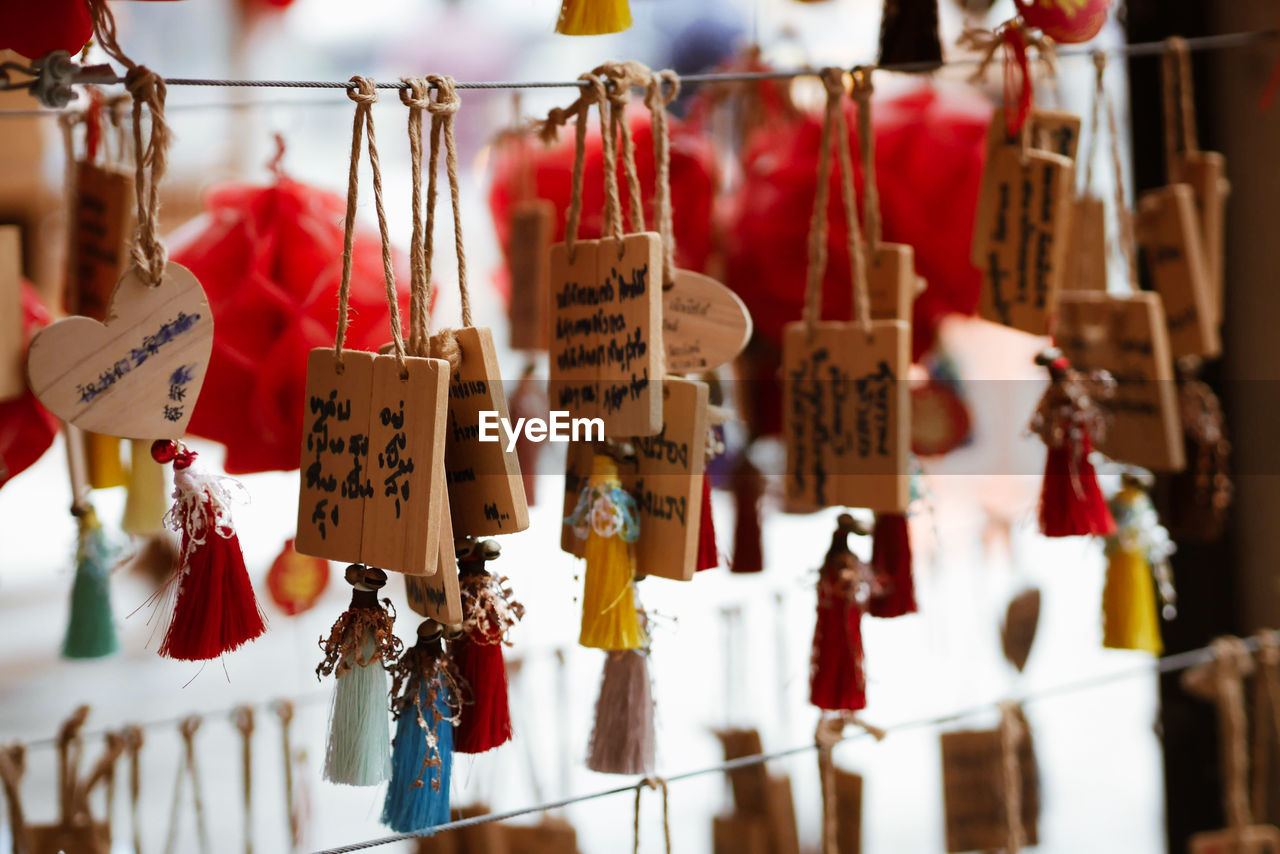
x=1138, y=549
x=593, y=17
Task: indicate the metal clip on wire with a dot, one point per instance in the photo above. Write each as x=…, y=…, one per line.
x=52, y=77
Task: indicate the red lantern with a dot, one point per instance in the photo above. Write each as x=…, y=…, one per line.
x=35, y=29
x=26, y=428
x=1065, y=21
x=296, y=581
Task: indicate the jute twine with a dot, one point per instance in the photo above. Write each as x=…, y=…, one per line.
x=243, y=719
x=1222, y=681
x=1124, y=216
x=662, y=88
x=660, y=785
x=1179, y=107
x=188, y=769
x=580, y=110
x=829, y=733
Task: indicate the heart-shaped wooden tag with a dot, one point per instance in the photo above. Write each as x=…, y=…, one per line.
x=704, y=324
x=138, y=374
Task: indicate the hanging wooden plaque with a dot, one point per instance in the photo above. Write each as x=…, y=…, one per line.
x=13, y=380
x=1256, y=839
x=740, y=833
x=549, y=836
x=578, y=462
x=846, y=415
x=532, y=226
x=606, y=336
x=704, y=324
x=667, y=483
x=486, y=492
x=1206, y=173
x=973, y=784
x=848, y=812
x=781, y=816
x=138, y=374
x=99, y=252
x=1055, y=131
x=1085, y=266
x=1169, y=234
x=891, y=281
x=1020, y=231
x=335, y=478
x=438, y=596
x=94, y=838
x=407, y=417
x=1126, y=336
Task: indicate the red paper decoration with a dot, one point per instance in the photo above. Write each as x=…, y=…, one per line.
x=35, y=29
x=1065, y=21
x=26, y=428
x=270, y=259
x=296, y=581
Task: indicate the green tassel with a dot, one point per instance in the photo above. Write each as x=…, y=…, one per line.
x=91, y=629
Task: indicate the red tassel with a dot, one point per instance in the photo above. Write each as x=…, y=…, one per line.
x=488, y=613
x=215, y=610
x=891, y=562
x=708, y=554
x=748, y=487
x=836, y=678
x=1067, y=418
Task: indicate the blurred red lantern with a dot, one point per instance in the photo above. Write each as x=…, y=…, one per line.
x=26, y=428
x=35, y=29
x=1065, y=21
x=296, y=581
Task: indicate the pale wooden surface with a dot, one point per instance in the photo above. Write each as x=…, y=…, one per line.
x=667, y=483
x=848, y=812
x=532, y=225
x=1257, y=839
x=437, y=595
x=1169, y=234
x=13, y=380
x=704, y=324
x=406, y=463
x=891, y=282
x=579, y=459
x=486, y=491
x=846, y=415
x=1020, y=231
x=1085, y=265
x=1126, y=335
x=335, y=472
x=77, y=351
x=1055, y=131
x=973, y=791
x=98, y=253
x=1206, y=172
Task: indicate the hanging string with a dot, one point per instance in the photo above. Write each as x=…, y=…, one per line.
x=1012, y=734
x=147, y=89
x=608, y=148
x=621, y=77
x=12, y=767
x=133, y=740
x=829, y=733
x=1266, y=720
x=417, y=98
x=187, y=769
x=365, y=96
x=663, y=88
x=284, y=711
x=242, y=717
x=1015, y=39
x=1179, y=107
x=1124, y=216
x=862, y=92
x=661, y=785
x=1222, y=681
x=443, y=109
x=593, y=93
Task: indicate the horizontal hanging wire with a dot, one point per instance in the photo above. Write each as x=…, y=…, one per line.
x=1155, y=48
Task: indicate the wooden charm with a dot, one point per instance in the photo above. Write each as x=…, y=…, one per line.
x=407, y=420
x=336, y=479
x=740, y=833
x=1126, y=336
x=704, y=324
x=1021, y=230
x=606, y=334
x=1055, y=131
x=88, y=838
x=1085, y=266
x=549, y=836
x=846, y=415
x=667, y=483
x=532, y=226
x=848, y=812
x=13, y=381
x=1206, y=173
x=891, y=282
x=1255, y=839
x=486, y=492
x=1169, y=235
x=973, y=780
x=438, y=595
x=578, y=463
x=136, y=375
x=99, y=251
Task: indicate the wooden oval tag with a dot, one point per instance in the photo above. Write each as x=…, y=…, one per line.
x=138, y=374
x=704, y=324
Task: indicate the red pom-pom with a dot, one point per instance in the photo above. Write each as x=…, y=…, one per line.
x=485, y=722
x=891, y=562
x=164, y=451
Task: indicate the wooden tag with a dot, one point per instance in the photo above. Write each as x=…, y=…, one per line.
x=548, y=836
x=750, y=784
x=99, y=252
x=1169, y=234
x=667, y=483
x=1206, y=172
x=1126, y=336
x=846, y=415
x=579, y=459
x=606, y=336
x=740, y=833
x=488, y=838
x=92, y=838
x=1020, y=231
x=335, y=476
x=704, y=324
x=532, y=225
x=486, y=492
x=407, y=420
x=1018, y=631
x=437, y=596
x=1055, y=131
x=781, y=816
x=13, y=380
x=1085, y=265
x=973, y=791
x=138, y=375
x=1257, y=839
x=891, y=282
x=848, y=812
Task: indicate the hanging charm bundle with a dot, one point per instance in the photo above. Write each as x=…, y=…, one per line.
x=488, y=614
x=1137, y=567
x=359, y=649
x=91, y=629
x=1067, y=419
x=426, y=698
x=837, y=681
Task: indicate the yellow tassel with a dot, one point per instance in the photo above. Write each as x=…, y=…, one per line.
x=609, y=617
x=147, y=499
x=593, y=17
x=103, y=456
x=1129, y=619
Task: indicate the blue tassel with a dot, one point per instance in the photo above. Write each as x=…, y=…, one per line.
x=91, y=628
x=418, y=796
